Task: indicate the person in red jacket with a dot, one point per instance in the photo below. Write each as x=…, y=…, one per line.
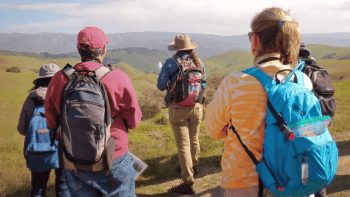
x=124, y=107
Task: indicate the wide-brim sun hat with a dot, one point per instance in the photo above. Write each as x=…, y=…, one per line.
x=182, y=42
x=47, y=70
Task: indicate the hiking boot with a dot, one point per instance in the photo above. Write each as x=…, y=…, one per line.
x=184, y=188
x=195, y=170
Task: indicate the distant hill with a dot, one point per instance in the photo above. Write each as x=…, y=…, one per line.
x=209, y=45
x=144, y=59
x=329, y=52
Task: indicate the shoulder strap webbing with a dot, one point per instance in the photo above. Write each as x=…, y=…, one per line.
x=252, y=157
x=101, y=72
x=265, y=80
x=68, y=70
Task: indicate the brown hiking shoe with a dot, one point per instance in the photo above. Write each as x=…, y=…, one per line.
x=184, y=188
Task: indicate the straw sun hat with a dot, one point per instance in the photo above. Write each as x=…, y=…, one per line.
x=182, y=42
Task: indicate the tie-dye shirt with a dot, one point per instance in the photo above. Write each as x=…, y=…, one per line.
x=242, y=99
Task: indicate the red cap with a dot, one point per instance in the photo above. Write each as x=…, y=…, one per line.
x=92, y=36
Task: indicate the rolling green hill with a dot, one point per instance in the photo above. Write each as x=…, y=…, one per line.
x=140, y=58
x=29, y=63
x=228, y=62
x=152, y=140
x=328, y=52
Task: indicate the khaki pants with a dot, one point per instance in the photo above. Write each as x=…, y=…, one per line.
x=246, y=192
x=185, y=122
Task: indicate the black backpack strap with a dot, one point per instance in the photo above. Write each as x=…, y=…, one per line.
x=252, y=157
x=250, y=154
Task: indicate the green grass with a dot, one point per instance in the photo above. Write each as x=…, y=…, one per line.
x=32, y=63
x=342, y=115
x=138, y=61
x=228, y=62
x=152, y=140
x=318, y=51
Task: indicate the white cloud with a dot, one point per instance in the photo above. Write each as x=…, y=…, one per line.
x=222, y=17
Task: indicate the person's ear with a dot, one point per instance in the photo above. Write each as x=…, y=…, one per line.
x=256, y=44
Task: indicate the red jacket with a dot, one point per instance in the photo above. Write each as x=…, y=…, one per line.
x=122, y=99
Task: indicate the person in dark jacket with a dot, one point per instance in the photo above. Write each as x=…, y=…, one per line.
x=185, y=120
x=37, y=95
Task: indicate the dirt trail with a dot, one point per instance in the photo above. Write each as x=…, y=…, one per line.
x=207, y=182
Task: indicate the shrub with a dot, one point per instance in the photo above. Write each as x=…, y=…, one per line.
x=161, y=120
x=213, y=83
x=149, y=107
x=35, y=70
x=13, y=69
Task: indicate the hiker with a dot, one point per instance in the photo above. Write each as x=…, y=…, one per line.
x=324, y=91
x=241, y=99
x=113, y=174
x=40, y=166
x=186, y=105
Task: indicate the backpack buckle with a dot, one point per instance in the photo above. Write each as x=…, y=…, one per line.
x=287, y=132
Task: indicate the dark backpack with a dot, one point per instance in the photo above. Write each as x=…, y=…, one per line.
x=85, y=119
x=40, y=154
x=322, y=83
x=188, y=88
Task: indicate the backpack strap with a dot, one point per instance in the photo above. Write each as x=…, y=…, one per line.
x=252, y=157
x=299, y=67
x=267, y=82
x=68, y=70
x=102, y=72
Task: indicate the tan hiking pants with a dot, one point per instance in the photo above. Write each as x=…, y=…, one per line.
x=185, y=121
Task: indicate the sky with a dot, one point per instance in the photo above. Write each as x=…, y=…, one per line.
x=219, y=17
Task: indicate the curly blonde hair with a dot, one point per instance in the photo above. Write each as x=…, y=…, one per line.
x=196, y=59
x=284, y=39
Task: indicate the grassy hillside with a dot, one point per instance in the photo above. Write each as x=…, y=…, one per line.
x=152, y=140
x=28, y=63
x=228, y=62
x=23, y=53
x=320, y=51
x=141, y=59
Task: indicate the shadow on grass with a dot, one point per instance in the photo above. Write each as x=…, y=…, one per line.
x=340, y=183
x=25, y=191
x=216, y=191
x=343, y=148
x=163, y=169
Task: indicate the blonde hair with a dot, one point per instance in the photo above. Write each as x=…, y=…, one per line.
x=196, y=59
x=284, y=39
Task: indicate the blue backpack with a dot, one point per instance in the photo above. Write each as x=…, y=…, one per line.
x=299, y=157
x=40, y=153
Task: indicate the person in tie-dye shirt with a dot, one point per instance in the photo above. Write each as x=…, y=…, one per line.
x=241, y=99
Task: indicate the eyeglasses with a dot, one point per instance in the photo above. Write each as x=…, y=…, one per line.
x=250, y=35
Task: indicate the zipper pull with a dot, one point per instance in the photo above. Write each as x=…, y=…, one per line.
x=304, y=171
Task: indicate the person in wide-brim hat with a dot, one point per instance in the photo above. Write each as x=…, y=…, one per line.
x=182, y=42
x=184, y=119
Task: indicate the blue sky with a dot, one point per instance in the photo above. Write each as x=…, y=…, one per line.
x=220, y=17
